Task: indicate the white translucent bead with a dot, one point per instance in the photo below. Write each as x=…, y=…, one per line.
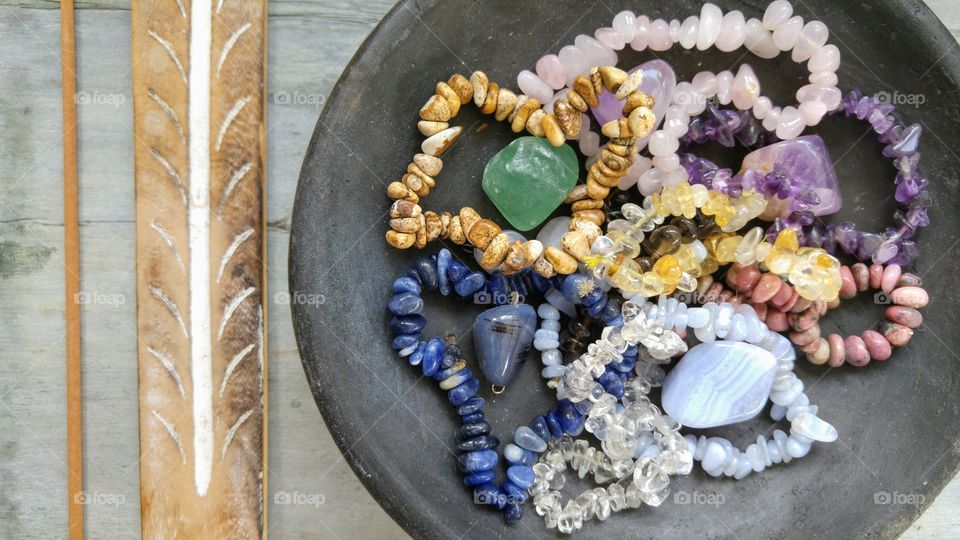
x=545, y=344
x=777, y=412
x=512, y=453
x=659, y=36
x=826, y=78
x=774, y=452
x=709, y=28
x=674, y=30
x=829, y=95
x=641, y=36
x=772, y=120
x=666, y=163
x=650, y=182
x=783, y=381
x=825, y=59
x=733, y=30
x=676, y=122
x=781, y=439
x=713, y=456
x=596, y=53
x=791, y=124
x=797, y=449
x=610, y=38
x=762, y=107
x=744, y=468
x=534, y=86
x=777, y=12
x=625, y=25
x=546, y=334
x=705, y=83
x=738, y=328
x=724, y=87
x=574, y=61
x=753, y=456
x=589, y=143
x=675, y=177
x=662, y=144
x=812, y=427
x=689, y=31
x=786, y=35
x=746, y=88
x=548, y=312
x=691, y=443
x=813, y=36
x=758, y=40
x=550, y=324
x=697, y=317
x=812, y=112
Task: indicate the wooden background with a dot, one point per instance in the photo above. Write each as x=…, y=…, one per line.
x=313, y=493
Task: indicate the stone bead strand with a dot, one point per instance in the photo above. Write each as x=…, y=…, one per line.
x=903, y=291
x=895, y=244
x=732, y=323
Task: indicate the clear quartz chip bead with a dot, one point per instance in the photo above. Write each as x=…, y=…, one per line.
x=546, y=503
x=617, y=497
x=588, y=504
x=603, y=504
x=570, y=519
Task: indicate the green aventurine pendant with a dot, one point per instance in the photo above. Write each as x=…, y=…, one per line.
x=529, y=179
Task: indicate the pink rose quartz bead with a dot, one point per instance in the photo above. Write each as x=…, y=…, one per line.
x=624, y=23
x=891, y=275
x=574, y=62
x=659, y=36
x=855, y=351
x=610, y=38
x=826, y=59
x=848, y=287
x=913, y=297
x=837, y=351
x=776, y=14
x=812, y=112
x=534, y=87
x=551, y=71
x=733, y=30
x=877, y=345
x=724, y=87
x=641, y=35
x=812, y=38
x=597, y=55
x=711, y=18
x=746, y=88
x=786, y=35
x=876, y=276
x=758, y=40
x=905, y=316
x=689, y=29
x=791, y=123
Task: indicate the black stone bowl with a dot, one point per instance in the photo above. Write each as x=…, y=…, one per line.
x=898, y=420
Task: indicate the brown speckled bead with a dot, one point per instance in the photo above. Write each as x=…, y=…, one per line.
x=861, y=275
x=821, y=354
x=876, y=276
x=713, y=293
x=855, y=351
x=837, y=351
x=897, y=334
x=914, y=297
x=848, y=287
x=766, y=288
x=800, y=305
x=877, y=345
x=907, y=316
x=761, y=309
x=804, y=320
x=909, y=280
x=805, y=337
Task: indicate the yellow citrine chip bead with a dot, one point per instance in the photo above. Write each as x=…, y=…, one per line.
x=787, y=239
x=727, y=249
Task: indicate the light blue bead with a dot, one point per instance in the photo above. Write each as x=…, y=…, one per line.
x=525, y=438
x=501, y=337
x=521, y=475
x=550, y=372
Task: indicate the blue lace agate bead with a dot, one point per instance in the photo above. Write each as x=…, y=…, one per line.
x=405, y=304
x=481, y=460
x=464, y=392
x=525, y=438
x=539, y=426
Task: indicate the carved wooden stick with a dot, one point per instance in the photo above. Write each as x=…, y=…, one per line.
x=199, y=125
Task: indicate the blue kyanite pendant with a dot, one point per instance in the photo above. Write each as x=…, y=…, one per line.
x=502, y=337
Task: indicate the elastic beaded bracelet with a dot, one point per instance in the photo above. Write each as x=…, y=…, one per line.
x=894, y=245
x=411, y=226
x=441, y=360
x=764, y=361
